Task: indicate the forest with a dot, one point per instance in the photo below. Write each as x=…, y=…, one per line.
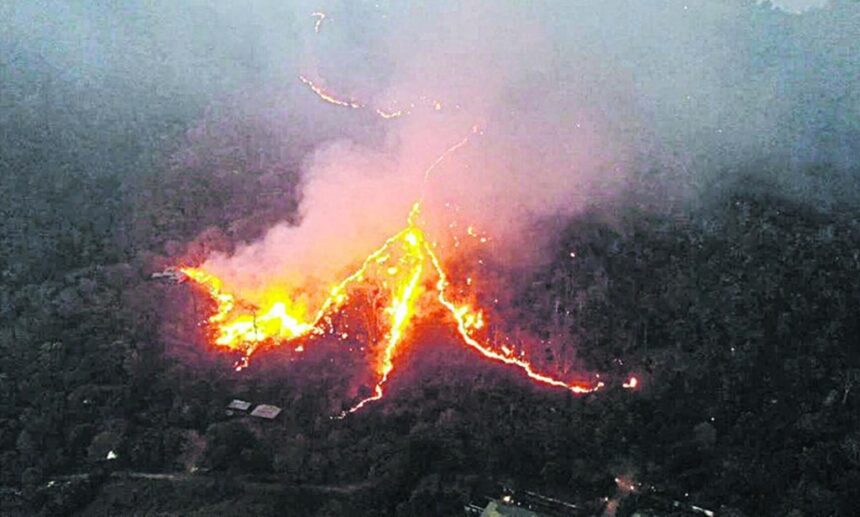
x=738, y=311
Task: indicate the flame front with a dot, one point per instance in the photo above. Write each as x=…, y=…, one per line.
x=402, y=308
x=398, y=268
x=329, y=97
x=470, y=320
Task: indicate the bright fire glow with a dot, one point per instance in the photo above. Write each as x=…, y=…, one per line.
x=470, y=320
x=402, y=267
x=631, y=383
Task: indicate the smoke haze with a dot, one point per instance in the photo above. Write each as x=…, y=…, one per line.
x=564, y=104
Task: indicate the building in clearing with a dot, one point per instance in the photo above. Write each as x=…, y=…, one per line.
x=526, y=504
x=266, y=411
x=170, y=274
x=239, y=405
x=500, y=509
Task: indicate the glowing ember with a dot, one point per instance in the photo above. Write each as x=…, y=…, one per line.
x=344, y=102
x=320, y=16
x=631, y=383
x=625, y=484
x=389, y=114
x=325, y=95
x=333, y=98
x=443, y=156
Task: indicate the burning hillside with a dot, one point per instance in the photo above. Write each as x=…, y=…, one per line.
x=410, y=282
x=405, y=278
x=467, y=223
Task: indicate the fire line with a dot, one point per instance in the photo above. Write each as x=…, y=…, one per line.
x=397, y=267
x=330, y=98
x=401, y=263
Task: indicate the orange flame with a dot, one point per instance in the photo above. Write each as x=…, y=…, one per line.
x=404, y=258
x=468, y=320
x=402, y=308
x=283, y=318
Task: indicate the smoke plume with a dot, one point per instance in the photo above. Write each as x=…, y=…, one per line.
x=563, y=104
x=559, y=106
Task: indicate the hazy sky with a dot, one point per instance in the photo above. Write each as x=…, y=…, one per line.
x=574, y=100
x=798, y=5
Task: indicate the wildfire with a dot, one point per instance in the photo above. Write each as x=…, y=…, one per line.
x=631, y=383
x=469, y=320
x=331, y=98
x=402, y=269
x=403, y=304
x=401, y=266
x=348, y=102
x=282, y=319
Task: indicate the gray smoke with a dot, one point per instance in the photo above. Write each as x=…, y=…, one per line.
x=572, y=100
